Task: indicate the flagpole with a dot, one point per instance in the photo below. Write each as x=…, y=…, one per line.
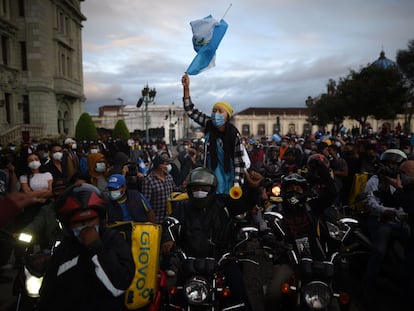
x=225, y=13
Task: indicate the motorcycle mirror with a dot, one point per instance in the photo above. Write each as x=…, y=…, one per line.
x=348, y=220
x=172, y=221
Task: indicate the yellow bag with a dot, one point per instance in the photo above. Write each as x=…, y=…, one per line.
x=357, y=189
x=145, y=239
x=174, y=198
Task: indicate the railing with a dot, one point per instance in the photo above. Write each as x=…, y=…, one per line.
x=15, y=134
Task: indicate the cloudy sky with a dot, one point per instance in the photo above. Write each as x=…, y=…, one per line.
x=275, y=52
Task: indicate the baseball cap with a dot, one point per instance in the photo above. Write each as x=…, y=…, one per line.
x=159, y=160
x=116, y=181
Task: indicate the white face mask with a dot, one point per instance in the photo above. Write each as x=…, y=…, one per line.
x=115, y=195
x=169, y=168
x=34, y=165
x=100, y=167
x=74, y=146
x=93, y=151
x=58, y=156
x=200, y=194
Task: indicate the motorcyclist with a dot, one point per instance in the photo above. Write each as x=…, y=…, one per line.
x=299, y=221
x=206, y=224
x=93, y=266
x=383, y=209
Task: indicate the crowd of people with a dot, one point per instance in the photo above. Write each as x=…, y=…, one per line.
x=88, y=185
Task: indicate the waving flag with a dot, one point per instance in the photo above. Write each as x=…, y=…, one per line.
x=207, y=35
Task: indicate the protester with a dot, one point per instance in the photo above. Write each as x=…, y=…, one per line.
x=56, y=166
x=206, y=224
x=93, y=266
x=382, y=210
x=158, y=186
x=70, y=156
x=224, y=147
x=127, y=204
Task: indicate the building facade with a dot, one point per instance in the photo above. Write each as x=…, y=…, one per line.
x=167, y=122
x=41, y=75
x=264, y=122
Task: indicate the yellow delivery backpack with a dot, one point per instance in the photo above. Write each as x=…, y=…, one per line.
x=175, y=199
x=144, y=238
x=356, y=195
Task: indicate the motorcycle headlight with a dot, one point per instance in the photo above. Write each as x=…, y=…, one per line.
x=33, y=284
x=317, y=295
x=196, y=290
x=276, y=190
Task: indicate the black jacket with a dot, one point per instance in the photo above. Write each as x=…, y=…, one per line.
x=211, y=231
x=95, y=278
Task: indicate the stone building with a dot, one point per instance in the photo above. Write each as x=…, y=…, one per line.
x=167, y=122
x=41, y=76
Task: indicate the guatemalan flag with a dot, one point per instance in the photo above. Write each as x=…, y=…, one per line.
x=207, y=35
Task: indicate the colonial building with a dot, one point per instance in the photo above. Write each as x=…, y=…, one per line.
x=167, y=122
x=41, y=76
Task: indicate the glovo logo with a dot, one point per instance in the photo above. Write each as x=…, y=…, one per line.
x=143, y=260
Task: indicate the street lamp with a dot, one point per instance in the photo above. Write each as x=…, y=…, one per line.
x=147, y=97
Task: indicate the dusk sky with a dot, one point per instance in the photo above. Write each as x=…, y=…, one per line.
x=275, y=53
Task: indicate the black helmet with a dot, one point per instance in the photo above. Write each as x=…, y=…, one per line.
x=393, y=155
x=80, y=197
x=204, y=181
x=294, y=198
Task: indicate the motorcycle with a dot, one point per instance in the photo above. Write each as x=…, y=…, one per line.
x=201, y=284
x=30, y=275
x=315, y=283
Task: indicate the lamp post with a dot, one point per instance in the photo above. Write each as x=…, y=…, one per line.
x=147, y=97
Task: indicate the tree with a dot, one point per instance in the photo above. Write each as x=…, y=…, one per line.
x=373, y=91
x=85, y=128
x=405, y=60
x=327, y=109
x=121, y=130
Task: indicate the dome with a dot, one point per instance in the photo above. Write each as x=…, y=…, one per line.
x=384, y=62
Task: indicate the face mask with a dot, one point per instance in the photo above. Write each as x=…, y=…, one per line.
x=45, y=156
x=115, y=195
x=34, y=165
x=74, y=146
x=93, y=151
x=76, y=231
x=100, y=167
x=169, y=168
x=218, y=119
x=200, y=194
x=12, y=148
x=58, y=156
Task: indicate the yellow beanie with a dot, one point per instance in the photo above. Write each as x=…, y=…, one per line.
x=226, y=106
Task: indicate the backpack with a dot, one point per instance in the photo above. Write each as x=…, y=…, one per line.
x=144, y=239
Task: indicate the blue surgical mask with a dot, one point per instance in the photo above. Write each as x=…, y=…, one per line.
x=77, y=230
x=218, y=119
